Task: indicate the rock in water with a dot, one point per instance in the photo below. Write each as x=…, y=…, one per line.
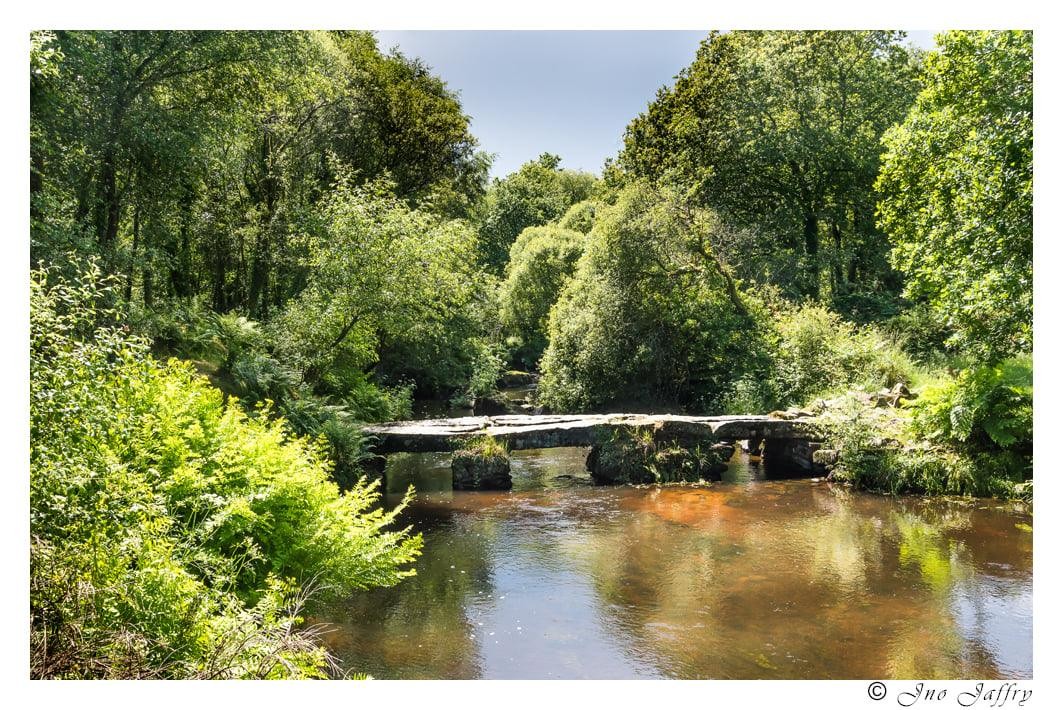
x=649, y=459
x=473, y=471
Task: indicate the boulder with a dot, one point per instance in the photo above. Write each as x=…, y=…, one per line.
x=649, y=459
x=892, y=397
x=473, y=471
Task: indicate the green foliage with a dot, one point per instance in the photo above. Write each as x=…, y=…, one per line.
x=45, y=54
x=779, y=131
x=867, y=306
x=886, y=450
x=921, y=332
x=235, y=354
x=873, y=456
x=651, y=316
x=388, y=287
x=580, y=216
x=538, y=193
x=171, y=531
x=488, y=366
x=396, y=118
x=956, y=190
x=540, y=263
x=817, y=352
x=191, y=159
x=932, y=470
x=235, y=336
x=485, y=446
x=988, y=407
x=751, y=394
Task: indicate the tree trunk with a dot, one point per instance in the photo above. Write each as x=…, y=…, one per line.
x=259, y=287
x=149, y=287
x=181, y=276
x=107, y=207
x=133, y=254
x=36, y=181
x=811, y=234
x=838, y=285
x=263, y=252
x=220, y=258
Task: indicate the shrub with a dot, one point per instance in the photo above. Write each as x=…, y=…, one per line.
x=817, y=352
x=489, y=364
x=179, y=327
x=876, y=452
x=866, y=306
x=751, y=395
x=921, y=331
x=931, y=470
x=170, y=529
x=987, y=408
x=257, y=376
x=234, y=336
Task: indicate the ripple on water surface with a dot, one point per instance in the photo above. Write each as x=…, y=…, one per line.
x=749, y=578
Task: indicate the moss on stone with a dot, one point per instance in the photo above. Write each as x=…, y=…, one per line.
x=640, y=456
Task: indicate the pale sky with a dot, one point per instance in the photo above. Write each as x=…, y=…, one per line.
x=571, y=93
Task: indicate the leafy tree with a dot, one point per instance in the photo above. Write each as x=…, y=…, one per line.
x=224, y=148
x=816, y=351
x=538, y=193
x=385, y=278
x=580, y=216
x=190, y=159
x=540, y=263
x=652, y=317
x=779, y=132
x=398, y=119
x=129, y=102
x=957, y=189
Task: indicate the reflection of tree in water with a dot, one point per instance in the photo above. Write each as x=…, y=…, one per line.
x=425, y=472
x=536, y=469
x=807, y=582
x=777, y=579
x=420, y=629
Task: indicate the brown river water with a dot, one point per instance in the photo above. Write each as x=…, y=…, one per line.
x=748, y=578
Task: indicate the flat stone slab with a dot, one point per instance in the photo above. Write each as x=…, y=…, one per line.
x=544, y=431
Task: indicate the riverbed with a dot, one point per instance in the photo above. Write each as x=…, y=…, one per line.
x=752, y=577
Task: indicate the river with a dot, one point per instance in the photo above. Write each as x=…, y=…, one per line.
x=747, y=578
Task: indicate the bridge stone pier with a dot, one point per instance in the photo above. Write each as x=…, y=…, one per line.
x=786, y=439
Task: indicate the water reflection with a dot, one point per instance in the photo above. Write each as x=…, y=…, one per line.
x=751, y=578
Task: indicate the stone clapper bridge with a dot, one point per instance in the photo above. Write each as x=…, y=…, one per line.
x=787, y=437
